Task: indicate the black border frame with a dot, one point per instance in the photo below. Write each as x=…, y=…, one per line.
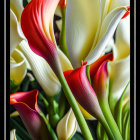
x=4, y=100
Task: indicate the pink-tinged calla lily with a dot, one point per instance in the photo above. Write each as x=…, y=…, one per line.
x=84, y=94
x=95, y=66
x=26, y=105
x=37, y=26
x=100, y=82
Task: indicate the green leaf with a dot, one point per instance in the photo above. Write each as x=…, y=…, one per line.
x=19, y=129
x=77, y=136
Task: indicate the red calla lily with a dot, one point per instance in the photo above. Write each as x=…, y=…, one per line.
x=81, y=88
x=26, y=105
x=37, y=26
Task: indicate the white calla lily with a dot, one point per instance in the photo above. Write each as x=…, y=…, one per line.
x=123, y=39
x=88, y=33
x=42, y=71
x=119, y=77
x=15, y=38
x=13, y=134
x=18, y=67
x=119, y=69
x=67, y=126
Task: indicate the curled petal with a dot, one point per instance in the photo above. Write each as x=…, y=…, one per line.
x=95, y=66
x=15, y=37
x=26, y=104
x=18, y=67
x=106, y=32
x=84, y=94
x=37, y=26
x=67, y=126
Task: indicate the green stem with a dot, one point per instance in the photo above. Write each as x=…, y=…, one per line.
x=62, y=40
x=110, y=120
x=118, y=110
x=53, y=135
x=107, y=128
x=80, y=119
x=88, y=73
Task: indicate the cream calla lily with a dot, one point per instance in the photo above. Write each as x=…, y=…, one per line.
x=13, y=134
x=18, y=63
x=67, y=126
x=123, y=39
x=120, y=67
x=88, y=33
x=18, y=66
x=15, y=38
x=43, y=71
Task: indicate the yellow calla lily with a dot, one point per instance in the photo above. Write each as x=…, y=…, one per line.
x=67, y=126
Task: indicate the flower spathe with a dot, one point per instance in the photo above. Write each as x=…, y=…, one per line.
x=37, y=26
x=100, y=82
x=78, y=78
x=84, y=91
x=26, y=104
x=67, y=126
x=88, y=35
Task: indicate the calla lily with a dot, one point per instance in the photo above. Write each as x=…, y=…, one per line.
x=96, y=97
x=18, y=63
x=18, y=67
x=84, y=91
x=37, y=26
x=88, y=35
x=13, y=134
x=67, y=126
x=119, y=71
x=26, y=104
x=42, y=71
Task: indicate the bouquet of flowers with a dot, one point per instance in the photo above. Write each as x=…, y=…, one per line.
x=69, y=70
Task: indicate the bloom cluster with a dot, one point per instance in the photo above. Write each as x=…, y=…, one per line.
x=70, y=69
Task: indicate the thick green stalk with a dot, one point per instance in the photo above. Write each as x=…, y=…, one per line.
x=79, y=116
x=110, y=120
x=62, y=39
x=107, y=128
